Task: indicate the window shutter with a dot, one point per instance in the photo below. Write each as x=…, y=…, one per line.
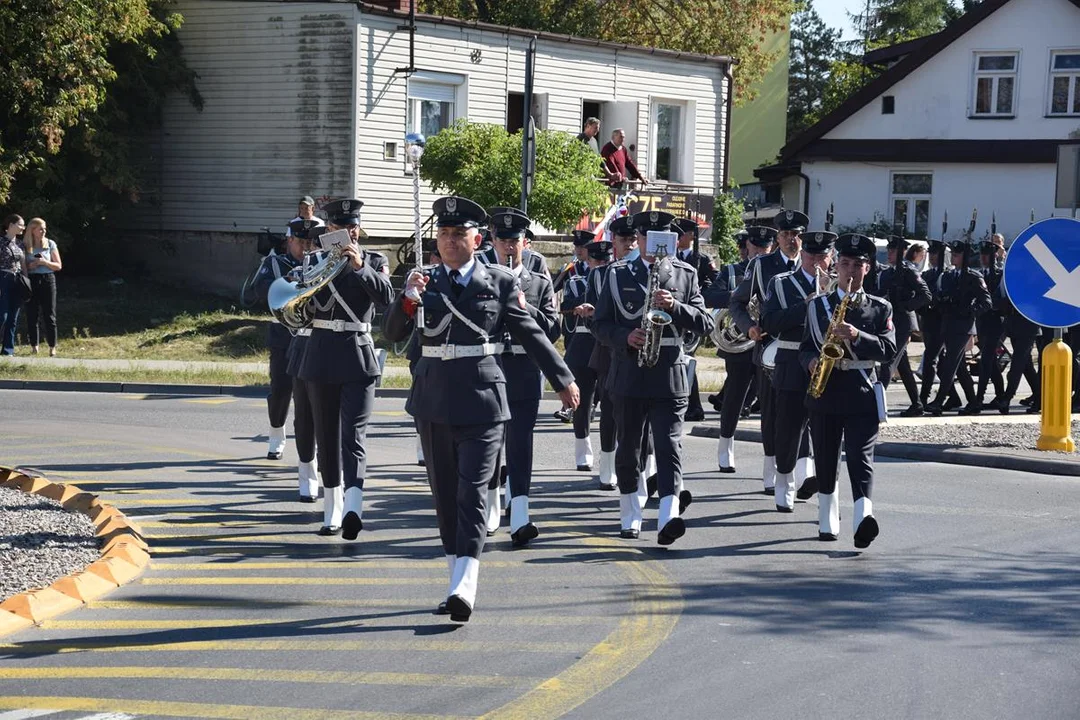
x=435, y=92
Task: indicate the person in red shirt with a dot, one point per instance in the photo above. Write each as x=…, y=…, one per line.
x=617, y=159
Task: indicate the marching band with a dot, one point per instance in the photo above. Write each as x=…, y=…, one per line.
x=805, y=321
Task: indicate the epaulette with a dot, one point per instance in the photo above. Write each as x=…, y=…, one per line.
x=501, y=268
x=682, y=264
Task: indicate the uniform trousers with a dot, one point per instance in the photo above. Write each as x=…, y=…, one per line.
x=900, y=363
x=792, y=440
x=635, y=417
x=1023, y=337
x=460, y=463
x=856, y=435
x=341, y=413
x=281, y=387
x=303, y=421
x=41, y=309
x=518, y=443
x=767, y=396
x=990, y=330
x=695, y=395
x=953, y=367
x=592, y=393
x=740, y=378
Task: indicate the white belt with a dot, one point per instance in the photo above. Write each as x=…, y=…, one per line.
x=582, y=329
x=670, y=342
x=303, y=332
x=515, y=349
x=848, y=364
x=788, y=344
x=341, y=326
x=452, y=352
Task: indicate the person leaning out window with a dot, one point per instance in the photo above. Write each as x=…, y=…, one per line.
x=12, y=265
x=42, y=263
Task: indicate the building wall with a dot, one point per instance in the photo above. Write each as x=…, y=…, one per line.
x=935, y=100
x=759, y=128
x=565, y=74
x=1009, y=191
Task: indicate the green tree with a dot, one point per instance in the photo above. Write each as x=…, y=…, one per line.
x=813, y=51
x=727, y=220
x=74, y=147
x=483, y=163
x=738, y=28
x=894, y=21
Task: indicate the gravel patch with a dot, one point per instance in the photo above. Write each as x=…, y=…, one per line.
x=1016, y=436
x=40, y=542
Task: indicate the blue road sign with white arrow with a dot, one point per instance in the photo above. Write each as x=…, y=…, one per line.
x=1042, y=273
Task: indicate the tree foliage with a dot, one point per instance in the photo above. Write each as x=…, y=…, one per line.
x=87, y=82
x=738, y=28
x=727, y=220
x=814, y=48
x=483, y=163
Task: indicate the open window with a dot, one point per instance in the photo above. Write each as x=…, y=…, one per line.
x=671, y=151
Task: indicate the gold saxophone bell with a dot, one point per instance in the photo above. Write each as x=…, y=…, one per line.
x=832, y=351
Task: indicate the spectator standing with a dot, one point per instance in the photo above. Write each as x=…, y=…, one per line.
x=589, y=133
x=620, y=166
x=42, y=263
x=305, y=210
x=12, y=265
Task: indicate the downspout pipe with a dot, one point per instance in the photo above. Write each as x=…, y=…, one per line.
x=806, y=190
x=729, y=104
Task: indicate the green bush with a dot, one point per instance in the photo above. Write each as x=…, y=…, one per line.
x=483, y=163
x=727, y=220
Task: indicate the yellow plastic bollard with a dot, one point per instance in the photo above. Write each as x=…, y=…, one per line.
x=1056, y=390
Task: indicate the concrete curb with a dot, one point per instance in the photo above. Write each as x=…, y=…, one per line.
x=124, y=556
x=935, y=453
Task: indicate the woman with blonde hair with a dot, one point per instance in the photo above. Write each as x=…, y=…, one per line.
x=42, y=262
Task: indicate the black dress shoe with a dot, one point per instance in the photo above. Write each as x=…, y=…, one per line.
x=273, y=456
x=934, y=409
x=671, y=532
x=685, y=500
x=650, y=484
x=867, y=531
x=827, y=537
x=421, y=463
x=491, y=533
x=951, y=403
x=328, y=530
x=769, y=491
x=351, y=525
x=717, y=402
x=915, y=410
x=974, y=408
x=522, y=536
x=694, y=415
x=441, y=609
x=629, y=534
x=458, y=609
x=1028, y=400
x=1034, y=408
x=808, y=489
x=1001, y=405
x=781, y=508
x=308, y=499
x=584, y=468
x=726, y=470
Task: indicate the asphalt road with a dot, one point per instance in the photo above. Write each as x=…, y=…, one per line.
x=965, y=606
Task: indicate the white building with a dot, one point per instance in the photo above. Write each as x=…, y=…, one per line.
x=968, y=118
x=313, y=98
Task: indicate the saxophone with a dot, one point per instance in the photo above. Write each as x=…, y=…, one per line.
x=831, y=350
x=653, y=320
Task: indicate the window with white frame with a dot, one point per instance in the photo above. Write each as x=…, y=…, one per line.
x=1065, y=82
x=911, y=202
x=668, y=118
x=995, y=84
x=433, y=102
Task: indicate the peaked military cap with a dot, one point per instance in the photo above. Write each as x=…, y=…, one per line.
x=818, y=242
x=345, y=211
x=583, y=237
x=935, y=246
x=761, y=235
x=492, y=212
x=986, y=247
x=741, y=237
x=686, y=225
x=895, y=241
x=622, y=225
x=456, y=211
x=600, y=250
x=653, y=220
x=305, y=229
x=958, y=246
x=856, y=245
x=509, y=225
x=791, y=220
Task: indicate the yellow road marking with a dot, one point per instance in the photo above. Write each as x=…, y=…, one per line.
x=362, y=563
x=653, y=614
x=536, y=621
x=266, y=675
x=240, y=580
x=122, y=645
x=211, y=401
x=200, y=604
x=390, y=413
x=196, y=710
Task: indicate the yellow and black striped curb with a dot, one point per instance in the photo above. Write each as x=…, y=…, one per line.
x=124, y=556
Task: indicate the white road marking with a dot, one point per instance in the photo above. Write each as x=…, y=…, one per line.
x=25, y=714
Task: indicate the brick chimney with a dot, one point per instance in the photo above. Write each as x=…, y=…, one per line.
x=399, y=5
